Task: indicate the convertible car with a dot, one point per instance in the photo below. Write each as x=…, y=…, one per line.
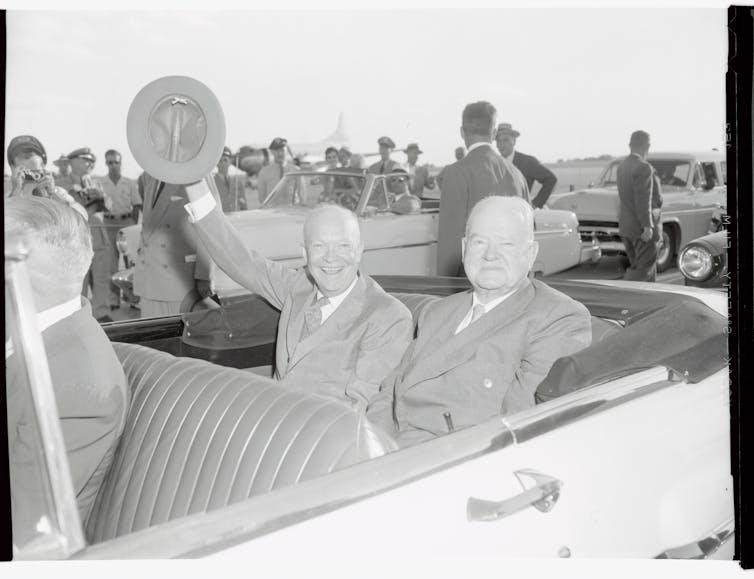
x=625, y=454
x=693, y=191
x=393, y=243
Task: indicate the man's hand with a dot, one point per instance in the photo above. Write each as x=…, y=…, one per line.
x=646, y=234
x=204, y=288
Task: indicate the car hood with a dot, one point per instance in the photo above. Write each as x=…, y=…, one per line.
x=591, y=204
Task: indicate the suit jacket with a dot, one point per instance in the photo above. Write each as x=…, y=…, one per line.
x=390, y=166
x=350, y=354
x=491, y=368
x=92, y=401
x=481, y=173
x=268, y=177
x=169, y=258
x=635, y=186
x=533, y=171
x=420, y=180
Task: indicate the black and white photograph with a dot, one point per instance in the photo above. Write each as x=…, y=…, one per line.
x=370, y=284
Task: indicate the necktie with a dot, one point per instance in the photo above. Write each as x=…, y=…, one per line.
x=476, y=312
x=313, y=317
x=382, y=169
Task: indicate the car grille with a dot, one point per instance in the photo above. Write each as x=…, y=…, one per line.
x=589, y=230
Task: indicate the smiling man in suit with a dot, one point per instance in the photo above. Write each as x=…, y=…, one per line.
x=530, y=166
x=481, y=173
x=482, y=353
x=339, y=333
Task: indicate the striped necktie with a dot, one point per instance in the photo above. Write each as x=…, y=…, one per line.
x=313, y=317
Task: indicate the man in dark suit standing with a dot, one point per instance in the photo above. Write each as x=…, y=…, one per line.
x=530, y=166
x=482, y=353
x=481, y=173
x=639, y=222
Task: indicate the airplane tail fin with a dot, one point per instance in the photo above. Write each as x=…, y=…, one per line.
x=340, y=133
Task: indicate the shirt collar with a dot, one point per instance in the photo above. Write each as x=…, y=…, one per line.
x=335, y=301
x=491, y=304
x=478, y=145
x=52, y=315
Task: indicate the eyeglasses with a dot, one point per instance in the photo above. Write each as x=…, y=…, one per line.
x=112, y=162
x=397, y=179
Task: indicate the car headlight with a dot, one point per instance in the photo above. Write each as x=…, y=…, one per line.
x=696, y=263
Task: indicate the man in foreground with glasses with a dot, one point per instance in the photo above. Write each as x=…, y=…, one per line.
x=482, y=353
x=339, y=333
x=401, y=199
x=126, y=204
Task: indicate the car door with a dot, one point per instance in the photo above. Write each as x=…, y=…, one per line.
x=637, y=467
x=708, y=197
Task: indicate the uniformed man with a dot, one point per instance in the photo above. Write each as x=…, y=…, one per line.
x=63, y=177
x=385, y=164
x=232, y=196
x=125, y=201
x=271, y=174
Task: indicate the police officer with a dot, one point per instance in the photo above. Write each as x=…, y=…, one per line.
x=385, y=164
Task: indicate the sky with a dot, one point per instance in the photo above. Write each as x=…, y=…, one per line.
x=574, y=81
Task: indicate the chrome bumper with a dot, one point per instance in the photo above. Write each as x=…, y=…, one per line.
x=591, y=251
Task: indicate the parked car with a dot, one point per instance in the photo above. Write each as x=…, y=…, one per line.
x=693, y=188
x=393, y=244
x=704, y=261
x=626, y=455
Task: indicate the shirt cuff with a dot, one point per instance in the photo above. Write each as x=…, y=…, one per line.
x=203, y=206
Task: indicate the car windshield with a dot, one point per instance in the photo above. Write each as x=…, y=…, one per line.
x=672, y=172
x=312, y=188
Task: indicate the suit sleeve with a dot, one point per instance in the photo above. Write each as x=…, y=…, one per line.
x=380, y=408
x=547, y=178
x=566, y=330
x=246, y=267
x=642, y=185
x=453, y=212
x=380, y=351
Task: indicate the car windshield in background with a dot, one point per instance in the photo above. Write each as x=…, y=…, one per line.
x=672, y=172
x=311, y=189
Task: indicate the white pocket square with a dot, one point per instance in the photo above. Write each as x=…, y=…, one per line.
x=176, y=198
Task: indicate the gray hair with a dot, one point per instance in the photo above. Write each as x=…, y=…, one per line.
x=53, y=227
x=348, y=217
x=506, y=204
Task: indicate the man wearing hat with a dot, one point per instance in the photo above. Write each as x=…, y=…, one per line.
x=640, y=220
x=232, y=197
x=63, y=177
x=531, y=168
x=124, y=196
x=385, y=164
x=271, y=174
x=481, y=173
x=90, y=194
x=402, y=201
x=250, y=161
x=419, y=176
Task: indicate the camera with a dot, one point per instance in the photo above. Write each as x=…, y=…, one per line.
x=33, y=175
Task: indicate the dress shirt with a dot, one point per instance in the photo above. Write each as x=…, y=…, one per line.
x=477, y=145
x=487, y=307
x=123, y=195
x=335, y=301
x=50, y=316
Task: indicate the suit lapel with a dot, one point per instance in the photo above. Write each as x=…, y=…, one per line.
x=452, y=350
x=156, y=208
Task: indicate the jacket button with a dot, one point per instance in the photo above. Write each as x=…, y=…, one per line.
x=487, y=383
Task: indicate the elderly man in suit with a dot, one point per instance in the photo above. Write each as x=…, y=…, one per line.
x=339, y=333
x=385, y=165
x=530, y=166
x=482, y=353
x=419, y=176
x=90, y=388
x=482, y=172
x=640, y=201
x=271, y=174
x=172, y=269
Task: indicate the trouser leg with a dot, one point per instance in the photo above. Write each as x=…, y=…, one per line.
x=114, y=290
x=646, y=259
x=100, y=276
x=630, y=273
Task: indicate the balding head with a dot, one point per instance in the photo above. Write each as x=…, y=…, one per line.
x=59, y=244
x=332, y=248
x=499, y=248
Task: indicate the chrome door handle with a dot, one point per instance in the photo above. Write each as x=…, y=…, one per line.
x=705, y=546
x=542, y=496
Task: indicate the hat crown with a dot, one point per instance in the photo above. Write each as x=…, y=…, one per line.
x=278, y=143
x=26, y=142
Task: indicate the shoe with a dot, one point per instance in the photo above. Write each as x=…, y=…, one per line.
x=105, y=319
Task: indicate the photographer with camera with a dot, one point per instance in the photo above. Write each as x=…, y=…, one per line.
x=27, y=159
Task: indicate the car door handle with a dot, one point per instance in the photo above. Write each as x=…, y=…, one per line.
x=704, y=547
x=542, y=496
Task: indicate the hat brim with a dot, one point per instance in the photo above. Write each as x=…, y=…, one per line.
x=204, y=154
x=514, y=134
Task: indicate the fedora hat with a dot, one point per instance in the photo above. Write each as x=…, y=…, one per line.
x=176, y=129
x=507, y=129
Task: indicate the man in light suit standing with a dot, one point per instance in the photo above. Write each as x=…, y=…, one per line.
x=419, y=176
x=482, y=172
x=271, y=174
x=339, y=333
x=482, y=353
x=172, y=269
x=530, y=166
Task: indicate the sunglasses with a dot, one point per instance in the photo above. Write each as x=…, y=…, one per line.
x=398, y=179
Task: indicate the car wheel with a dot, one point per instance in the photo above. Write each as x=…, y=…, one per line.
x=666, y=252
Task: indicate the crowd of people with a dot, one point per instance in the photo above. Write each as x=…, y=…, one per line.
x=471, y=356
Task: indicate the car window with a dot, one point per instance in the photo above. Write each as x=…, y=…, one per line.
x=378, y=197
x=297, y=190
x=709, y=174
x=610, y=176
x=672, y=173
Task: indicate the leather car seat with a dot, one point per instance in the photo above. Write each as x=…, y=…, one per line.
x=200, y=436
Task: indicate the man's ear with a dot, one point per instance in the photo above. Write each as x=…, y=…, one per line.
x=533, y=252
x=304, y=254
x=462, y=133
x=463, y=248
x=359, y=252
